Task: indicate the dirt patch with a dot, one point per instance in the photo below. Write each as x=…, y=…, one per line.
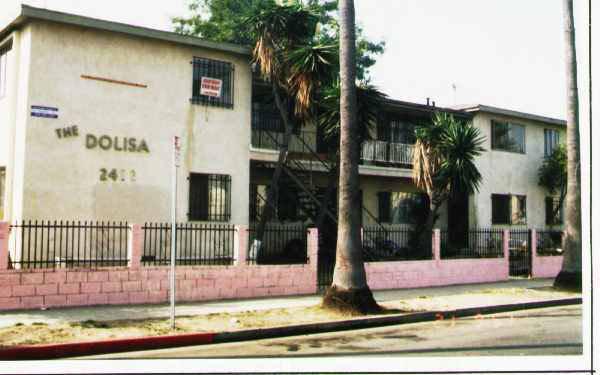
x=91, y=330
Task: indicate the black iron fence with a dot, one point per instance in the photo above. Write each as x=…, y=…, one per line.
x=392, y=244
x=60, y=244
x=549, y=243
x=481, y=243
x=195, y=244
x=519, y=252
x=280, y=244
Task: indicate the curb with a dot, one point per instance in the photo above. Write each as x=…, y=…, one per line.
x=55, y=351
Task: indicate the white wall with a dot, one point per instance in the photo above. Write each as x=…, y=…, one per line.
x=62, y=176
x=506, y=172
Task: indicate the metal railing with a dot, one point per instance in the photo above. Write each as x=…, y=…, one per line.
x=195, y=244
x=391, y=244
x=303, y=142
x=549, y=243
x=481, y=243
x=306, y=141
x=60, y=244
x=281, y=244
x=387, y=152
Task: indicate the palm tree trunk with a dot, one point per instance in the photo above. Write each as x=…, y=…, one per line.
x=570, y=273
x=349, y=290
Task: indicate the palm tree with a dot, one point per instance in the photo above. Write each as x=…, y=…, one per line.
x=349, y=290
x=295, y=66
x=443, y=163
x=569, y=276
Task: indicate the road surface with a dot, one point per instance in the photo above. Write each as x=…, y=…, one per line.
x=548, y=331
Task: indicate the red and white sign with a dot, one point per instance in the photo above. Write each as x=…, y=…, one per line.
x=211, y=87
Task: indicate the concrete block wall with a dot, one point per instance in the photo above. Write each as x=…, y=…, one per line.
x=135, y=284
x=543, y=266
x=38, y=288
x=437, y=272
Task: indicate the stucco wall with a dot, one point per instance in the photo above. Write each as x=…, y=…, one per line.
x=62, y=175
x=506, y=172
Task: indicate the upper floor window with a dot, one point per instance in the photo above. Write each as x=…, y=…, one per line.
x=551, y=141
x=210, y=197
x=507, y=136
x=4, y=69
x=397, y=132
x=509, y=209
x=212, y=83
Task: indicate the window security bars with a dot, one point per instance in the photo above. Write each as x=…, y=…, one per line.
x=549, y=243
x=58, y=244
x=219, y=91
x=392, y=244
x=195, y=244
x=281, y=244
x=482, y=243
x=209, y=197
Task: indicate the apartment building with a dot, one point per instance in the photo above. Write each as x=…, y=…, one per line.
x=89, y=109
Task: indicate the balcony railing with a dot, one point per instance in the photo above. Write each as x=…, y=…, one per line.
x=371, y=151
x=386, y=152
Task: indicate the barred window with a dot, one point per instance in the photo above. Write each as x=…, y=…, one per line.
x=509, y=209
x=212, y=83
x=508, y=137
x=209, y=197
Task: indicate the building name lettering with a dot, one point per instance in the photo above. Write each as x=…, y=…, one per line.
x=71, y=131
x=106, y=143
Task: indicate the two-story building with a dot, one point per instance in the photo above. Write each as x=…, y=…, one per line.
x=89, y=109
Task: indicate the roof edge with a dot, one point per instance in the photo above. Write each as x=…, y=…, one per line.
x=30, y=12
x=511, y=113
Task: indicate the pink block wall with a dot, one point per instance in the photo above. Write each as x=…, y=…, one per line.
x=26, y=289
x=543, y=266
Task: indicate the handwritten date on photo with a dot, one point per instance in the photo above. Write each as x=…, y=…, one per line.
x=117, y=175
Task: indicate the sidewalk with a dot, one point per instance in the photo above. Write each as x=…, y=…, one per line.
x=434, y=298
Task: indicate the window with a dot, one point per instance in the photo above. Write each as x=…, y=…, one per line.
x=551, y=141
x=397, y=132
x=4, y=69
x=212, y=83
x=551, y=205
x=508, y=137
x=401, y=207
x=209, y=197
x=509, y=209
x=2, y=182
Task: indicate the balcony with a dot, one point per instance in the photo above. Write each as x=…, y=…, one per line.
x=373, y=152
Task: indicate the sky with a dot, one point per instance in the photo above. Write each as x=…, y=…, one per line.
x=504, y=53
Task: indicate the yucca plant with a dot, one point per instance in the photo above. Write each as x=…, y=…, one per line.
x=444, y=163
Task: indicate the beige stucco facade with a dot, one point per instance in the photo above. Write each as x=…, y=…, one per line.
x=505, y=172
x=53, y=169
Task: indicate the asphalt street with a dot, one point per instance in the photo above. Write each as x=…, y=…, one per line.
x=548, y=331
